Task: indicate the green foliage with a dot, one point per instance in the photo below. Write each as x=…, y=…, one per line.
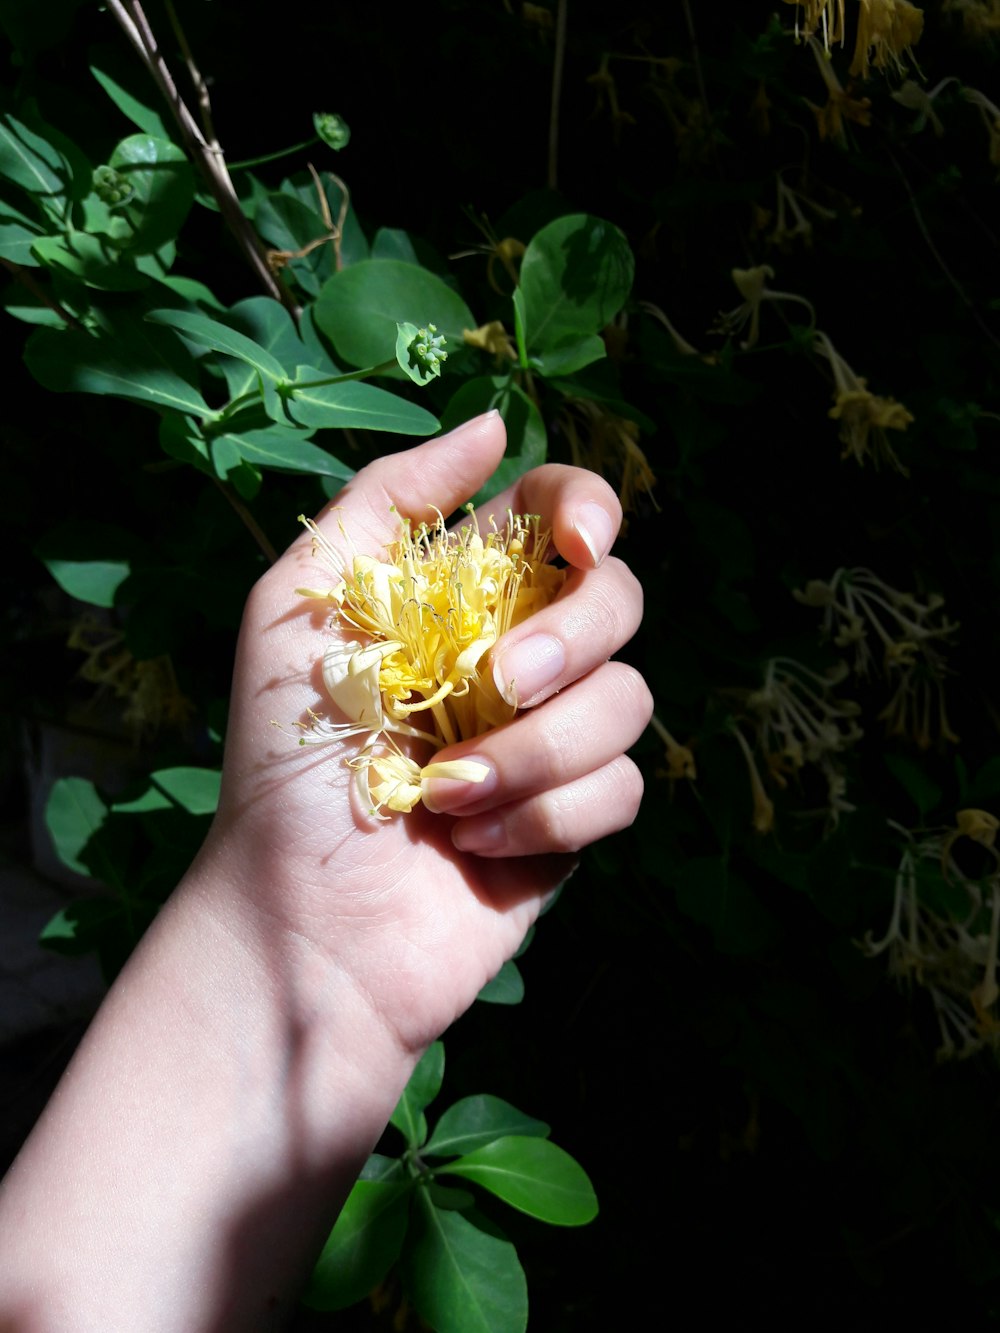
x=740, y=945
x=456, y=1268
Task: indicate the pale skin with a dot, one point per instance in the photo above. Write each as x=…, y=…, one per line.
x=195, y=1154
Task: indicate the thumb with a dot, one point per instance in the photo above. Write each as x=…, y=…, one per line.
x=441, y=474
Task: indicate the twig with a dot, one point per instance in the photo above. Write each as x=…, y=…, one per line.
x=200, y=86
x=248, y=520
x=209, y=158
x=953, y=282
x=24, y=276
x=557, y=78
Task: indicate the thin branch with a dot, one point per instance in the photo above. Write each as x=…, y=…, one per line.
x=248, y=520
x=25, y=277
x=209, y=158
x=557, y=78
x=953, y=282
x=200, y=86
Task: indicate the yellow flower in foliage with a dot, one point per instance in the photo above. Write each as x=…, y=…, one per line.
x=990, y=113
x=823, y=16
x=840, y=104
x=887, y=32
x=864, y=417
x=492, y=337
x=429, y=614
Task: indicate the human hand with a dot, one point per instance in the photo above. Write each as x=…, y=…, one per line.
x=421, y=910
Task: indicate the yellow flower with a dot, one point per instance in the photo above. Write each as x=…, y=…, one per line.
x=887, y=31
x=492, y=337
x=826, y=15
x=840, y=104
x=429, y=613
x=864, y=417
x=396, y=781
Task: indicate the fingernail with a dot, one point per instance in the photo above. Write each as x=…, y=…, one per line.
x=479, y=835
x=441, y=795
x=526, y=668
x=597, y=530
x=471, y=424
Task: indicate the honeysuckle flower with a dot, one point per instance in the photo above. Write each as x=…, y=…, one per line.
x=763, y=806
x=864, y=417
x=429, y=612
x=799, y=721
x=392, y=780
x=887, y=32
x=146, y=688
x=856, y=603
x=680, y=760
x=751, y=283
x=492, y=338
x=840, y=103
x=980, y=18
x=953, y=958
x=825, y=16
x=990, y=113
x=921, y=100
x=912, y=632
x=790, y=221
x=604, y=442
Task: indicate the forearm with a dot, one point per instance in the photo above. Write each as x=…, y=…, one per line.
x=211, y=1124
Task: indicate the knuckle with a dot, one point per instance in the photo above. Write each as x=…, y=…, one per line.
x=631, y=697
x=557, y=818
x=557, y=749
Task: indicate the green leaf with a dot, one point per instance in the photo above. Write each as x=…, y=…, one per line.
x=359, y=308
x=392, y=243
x=270, y=326
x=286, y=449
x=507, y=987
x=88, y=560
x=475, y=1121
x=137, y=364
x=73, y=814
x=31, y=161
x=143, y=117
x=526, y=439
x=363, y=1245
x=355, y=405
x=533, y=1176
x=163, y=185
x=925, y=793
x=80, y=927
x=380, y=1167
x=576, y=275
x=195, y=790
x=569, y=356
x=207, y=332
x=459, y=1278
x=290, y=225
x=423, y=1087
x=91, y=259
x=148, y=802
x=16, y=242
x=710, y=893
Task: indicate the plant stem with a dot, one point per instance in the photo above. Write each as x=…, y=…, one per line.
x=208, y=156
x=353, y=375
x=24, y=276
x=248, y=520
x=273, y=157
x=557, y=78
